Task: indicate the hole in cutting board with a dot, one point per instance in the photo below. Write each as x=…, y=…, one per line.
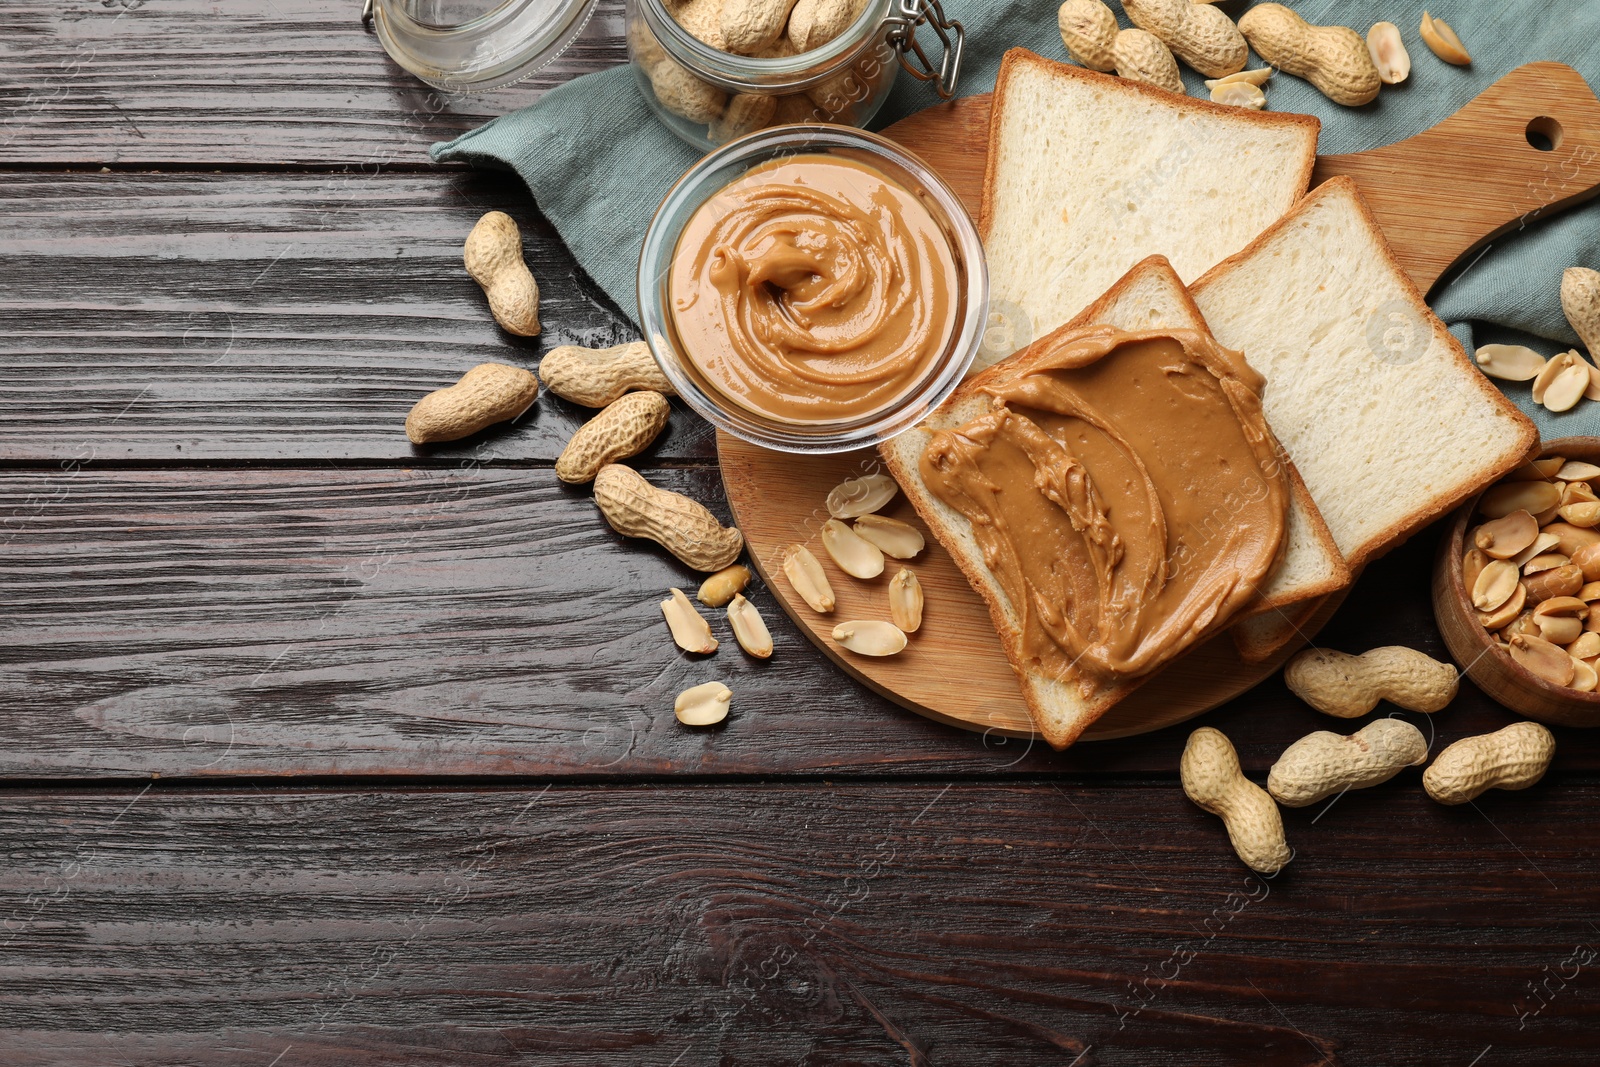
x=1545, y=133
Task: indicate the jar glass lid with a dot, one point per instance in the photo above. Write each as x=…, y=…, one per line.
x=465, y=46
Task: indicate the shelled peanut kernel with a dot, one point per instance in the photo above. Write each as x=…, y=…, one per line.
x=1532, y=569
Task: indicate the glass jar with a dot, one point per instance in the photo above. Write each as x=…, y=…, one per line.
x=709, y=97
x=468, y=46
x=714, y=173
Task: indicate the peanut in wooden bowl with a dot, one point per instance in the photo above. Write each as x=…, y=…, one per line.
x=1492, y=669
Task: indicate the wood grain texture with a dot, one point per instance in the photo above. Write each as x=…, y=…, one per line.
x=954, y=670
x=478, y=621
x=804, y=924
x=250, y=317
x=410, y=622
x=453, y=613
x=953, y=138
x=127, y=82
x=271, y=317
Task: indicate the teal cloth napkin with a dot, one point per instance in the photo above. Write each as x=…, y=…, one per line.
x=598, y=162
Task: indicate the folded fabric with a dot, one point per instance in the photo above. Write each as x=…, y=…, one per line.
x=598, y=161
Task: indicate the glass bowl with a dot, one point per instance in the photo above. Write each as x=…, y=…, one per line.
x=474, y=46
x=729, y=163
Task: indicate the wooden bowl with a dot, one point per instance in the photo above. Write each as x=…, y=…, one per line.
x=1493, y=670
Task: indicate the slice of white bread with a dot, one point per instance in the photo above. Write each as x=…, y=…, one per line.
x=1151, y=296
x=1386, y=418
x=1088, y=174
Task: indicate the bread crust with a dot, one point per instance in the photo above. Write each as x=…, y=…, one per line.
x=1525, y=447
x=1017, y=57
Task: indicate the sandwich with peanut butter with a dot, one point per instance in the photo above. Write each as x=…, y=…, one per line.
x=1151, y=423
x=1090, y=174
x=1115, y=495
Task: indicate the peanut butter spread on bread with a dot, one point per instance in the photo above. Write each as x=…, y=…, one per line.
x=813, y=289
x=1126, y=492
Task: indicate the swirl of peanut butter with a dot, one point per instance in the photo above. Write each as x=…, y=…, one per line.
x=813, y=289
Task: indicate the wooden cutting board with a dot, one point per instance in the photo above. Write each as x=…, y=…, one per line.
x=1527, y=147
x=1439, y=196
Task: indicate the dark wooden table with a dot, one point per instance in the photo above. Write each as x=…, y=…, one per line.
x=321, y=749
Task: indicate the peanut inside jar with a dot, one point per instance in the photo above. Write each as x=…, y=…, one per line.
x=814, y=289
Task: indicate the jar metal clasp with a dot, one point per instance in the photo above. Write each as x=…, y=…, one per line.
x=952, y=40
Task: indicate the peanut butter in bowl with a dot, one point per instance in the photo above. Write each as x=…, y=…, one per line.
x=814, y=289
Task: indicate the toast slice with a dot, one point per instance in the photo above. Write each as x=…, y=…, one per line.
x=1088, y=174
x=1151, y=296
x=1388, y=421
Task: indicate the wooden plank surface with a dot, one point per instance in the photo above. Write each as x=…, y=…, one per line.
x=220, y=558
x=815, y=923
x=475, y=621
x=271, y=317
x=128, y=82
x=276, y=584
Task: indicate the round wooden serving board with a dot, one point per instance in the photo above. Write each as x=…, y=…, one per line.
x=954, y=669
x=1438, y=196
